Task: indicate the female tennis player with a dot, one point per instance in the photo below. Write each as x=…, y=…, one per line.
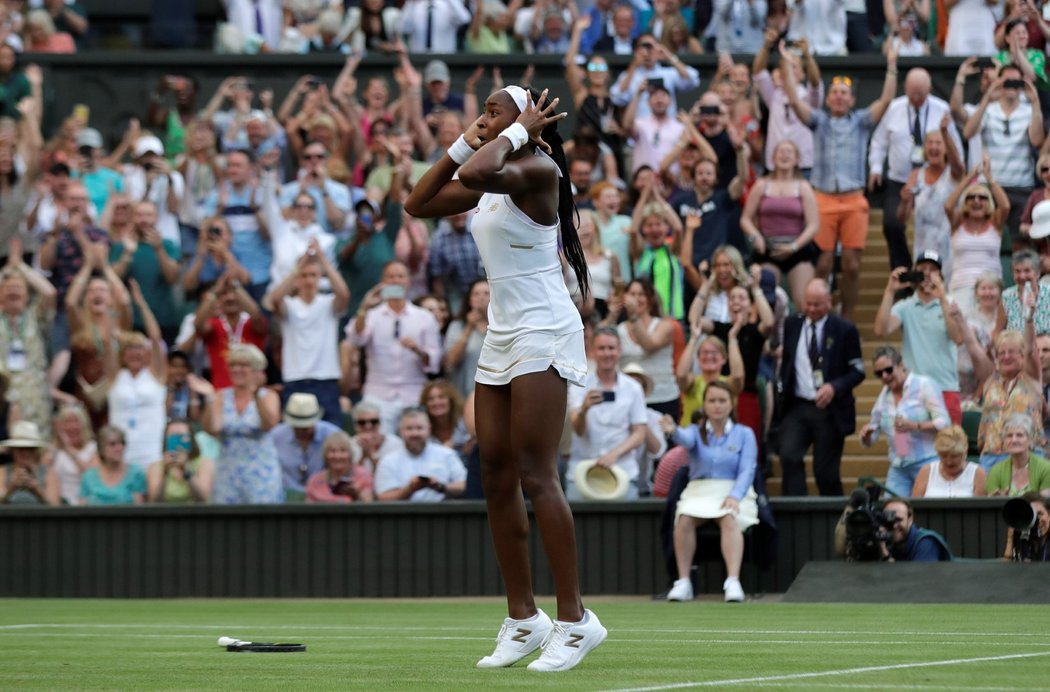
x=511, y=170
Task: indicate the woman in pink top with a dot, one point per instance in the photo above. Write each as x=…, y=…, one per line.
x=975, y=232
x=781, y=219
x=42, y=37
x=344, y=478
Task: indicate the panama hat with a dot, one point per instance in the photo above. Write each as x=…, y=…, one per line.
x=639, y=372
x=302, y=410
x=1040, y=221
x=600, y=483
x=25, y=434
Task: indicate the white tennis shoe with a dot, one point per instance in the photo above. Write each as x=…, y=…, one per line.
x=734, y=592
x=682, y=590
x=569, y=642
x=517, y=639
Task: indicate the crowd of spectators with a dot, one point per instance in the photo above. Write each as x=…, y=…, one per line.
x=230, y=304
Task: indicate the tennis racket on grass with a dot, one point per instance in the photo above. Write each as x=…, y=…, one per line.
x=237, y=645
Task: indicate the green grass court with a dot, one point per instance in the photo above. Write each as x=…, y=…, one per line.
x=433, y=644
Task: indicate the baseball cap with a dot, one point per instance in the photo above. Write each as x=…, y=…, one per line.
x=929, y=256
x=89, y=137
x=148, y=144
x=436, y=71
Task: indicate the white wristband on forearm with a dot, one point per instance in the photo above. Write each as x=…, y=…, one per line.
x=460, y=151
x=517, y=134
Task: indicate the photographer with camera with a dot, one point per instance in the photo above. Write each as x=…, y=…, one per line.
x=907, y=542
x=1029, y=521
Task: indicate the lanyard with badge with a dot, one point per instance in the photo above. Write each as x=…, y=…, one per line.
x=234, y=335
x=16, y=350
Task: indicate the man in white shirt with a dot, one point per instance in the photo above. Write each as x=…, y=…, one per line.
x=609, y=419
x=901, y=135
x=310, y=329
x=649, y=54
x=402, y=344
x=430, y=26
x=821, y=22
x=621, y=40
x=423, y=471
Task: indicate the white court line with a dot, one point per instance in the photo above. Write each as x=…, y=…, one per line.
x=409, y=628
x=858, y=686
x=829, y=673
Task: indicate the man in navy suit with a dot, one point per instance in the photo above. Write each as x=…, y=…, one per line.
x=821, y=366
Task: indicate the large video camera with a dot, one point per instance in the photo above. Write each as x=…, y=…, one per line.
x=1019, y=516
x=867, y=526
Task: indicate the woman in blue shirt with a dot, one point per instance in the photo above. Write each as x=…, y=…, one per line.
x=113, y=481
x=722, y=459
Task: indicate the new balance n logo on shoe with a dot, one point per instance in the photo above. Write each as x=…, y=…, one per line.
x=574, y=641
x=521, y=635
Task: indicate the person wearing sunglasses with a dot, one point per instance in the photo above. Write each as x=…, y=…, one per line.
x=369, y=436
x=401, y=343
x=975, y=212
x=908, y=542
x=648, y=66
x=931, y=342
x=589, y=82
x=332, y=199
x=238, y=200
x=909, y=411
x=1011, y=128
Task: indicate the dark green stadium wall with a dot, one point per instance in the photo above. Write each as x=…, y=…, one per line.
x=391, y=549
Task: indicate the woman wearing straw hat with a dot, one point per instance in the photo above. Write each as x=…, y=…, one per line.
x=24, y=481
x=722, y=459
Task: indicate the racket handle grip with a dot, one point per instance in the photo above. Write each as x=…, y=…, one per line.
x=229, y=641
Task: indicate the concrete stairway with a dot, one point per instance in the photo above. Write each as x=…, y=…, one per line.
x=858, y=461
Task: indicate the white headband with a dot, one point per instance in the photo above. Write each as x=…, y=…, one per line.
x=519, y=96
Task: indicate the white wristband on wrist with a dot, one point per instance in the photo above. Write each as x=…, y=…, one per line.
x=517, y=134
x=460, y=151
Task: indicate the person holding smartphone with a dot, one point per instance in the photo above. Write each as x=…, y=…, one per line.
x=930, y=339
x=182, y=475
x=608, y=416
x=1011, y=129
x=401, y=342
x=310, y=328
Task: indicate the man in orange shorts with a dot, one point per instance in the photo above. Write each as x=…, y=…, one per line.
x=840, y=145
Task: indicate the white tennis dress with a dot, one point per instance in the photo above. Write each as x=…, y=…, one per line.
x=533, y=323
